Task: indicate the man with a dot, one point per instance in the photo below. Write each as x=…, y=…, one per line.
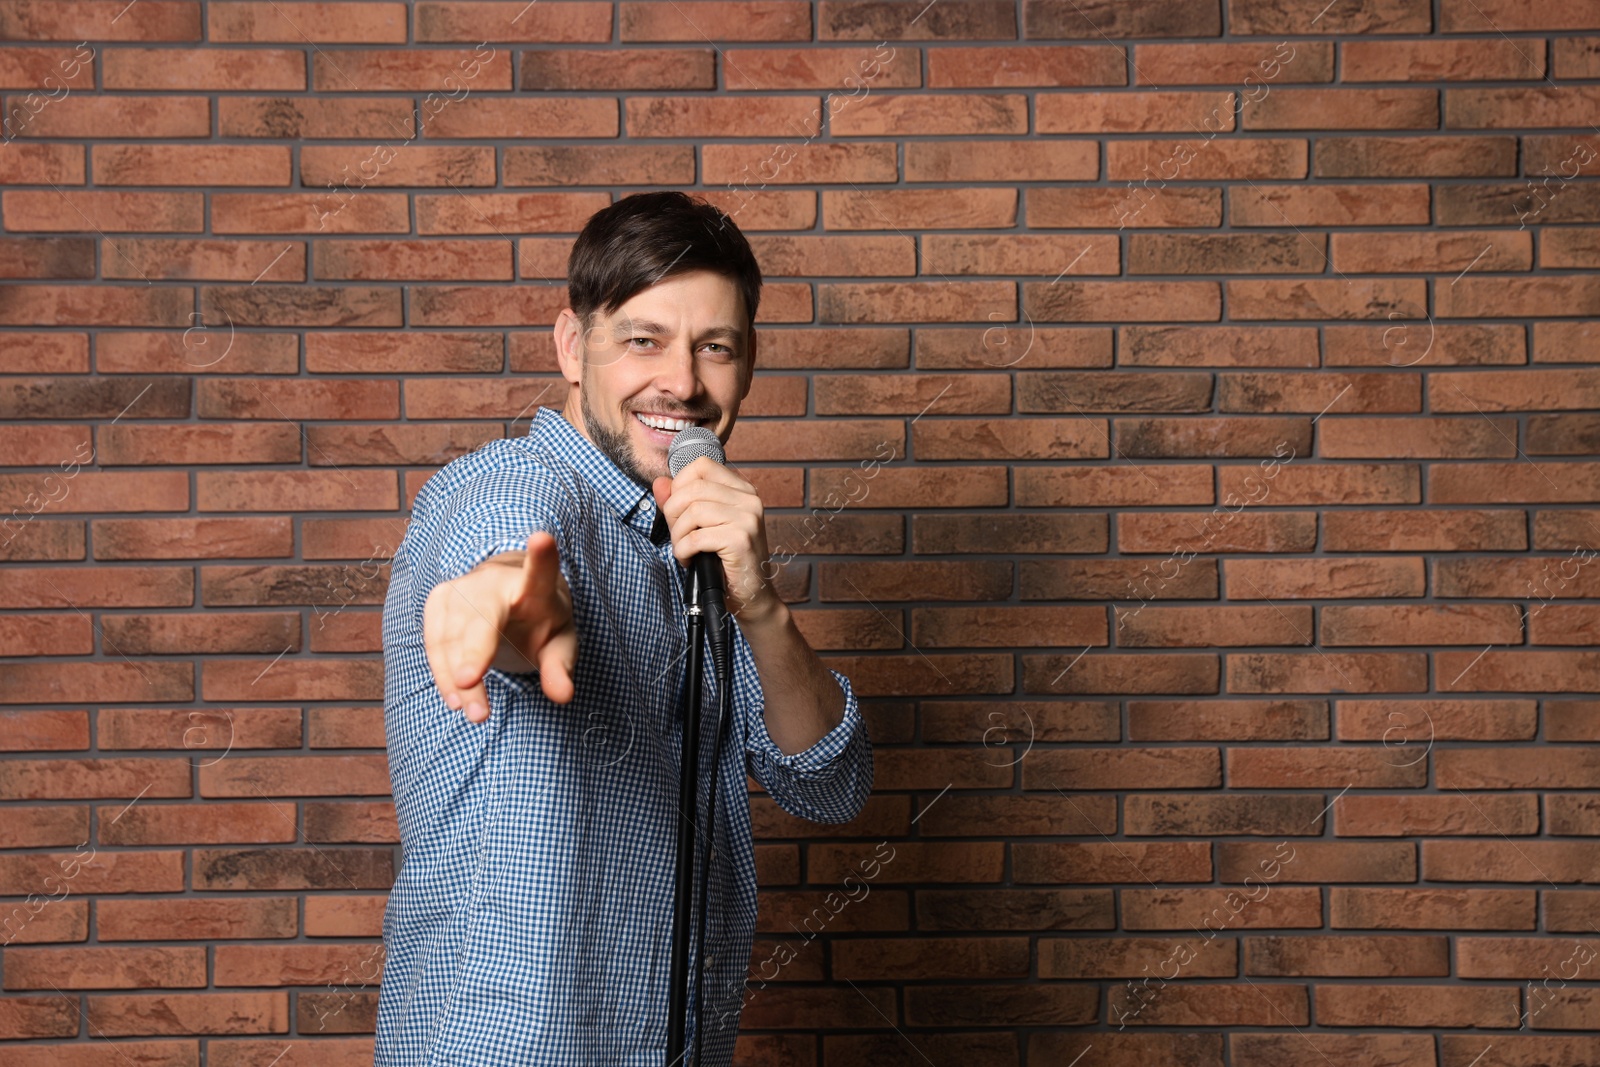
x=535, y=646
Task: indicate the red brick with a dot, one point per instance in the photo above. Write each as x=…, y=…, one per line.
x=346, y=728
x=256, y=69
x=1485, y=59
x=1362, y=253
x=57, y=353
x=297, y=23
x=1135, y=112
x=46, y=257
x=1227, y=720
x=1218, y=909
x=1383, y=16
x=1398, y=723
x=104, y=210
x=310, y=490
x=244, y=398
x=604, y=165
x=1408, y=344
x=75, y=587
x=804, y=256
x=619, y=69
x=498, y=117
x=1528, y=390
x=1230, y=64
x=191, y=165
x=308, y=213
x=1110, y=862
x=874, y=210
x=786, y=20
x=1002, y=160
x=1343, y=109
x=1126, y=957
x=494, y=213
x=47, y=635
x=198, y=919
x=748, y=116
x=180, y=538
x=1137, y=18
x=207, y=351
x=1520, y=108
x=88, y=870
x=1331, y=205
x=464, y=20
x=99, y=20
x=105, y=968
x=1432, y=908
x=44, y=731
x=191, y=1013
x=1130, y=207
x=209, y=444
x=1416, y=157
x=1316, y=862
x=325, y=679
x=345, y=916
x=83, y=115
x=1200, y=160
x=369, y=823
x=912, y=301
x=296, y=776
x=303, y=1052
x=1434, y=816
x=34, y=1017
x=416, y=70
x=197, y=824
x=279, y=305
x=302, y=117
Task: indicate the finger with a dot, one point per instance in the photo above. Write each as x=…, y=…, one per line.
x=473, y=700
x=535, y=563
x=712, y=471
x=691, y=490
x=469, y=654
x=556, y=662
x=431, y=645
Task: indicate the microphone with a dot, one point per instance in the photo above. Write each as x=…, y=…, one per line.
x=705, y=569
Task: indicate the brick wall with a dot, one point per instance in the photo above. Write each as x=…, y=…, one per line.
x=1180, y=416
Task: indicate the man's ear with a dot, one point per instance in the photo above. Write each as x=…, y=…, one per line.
x=569, y=336
x=750, y=366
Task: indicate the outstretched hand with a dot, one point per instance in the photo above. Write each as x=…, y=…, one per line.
x=511, y=613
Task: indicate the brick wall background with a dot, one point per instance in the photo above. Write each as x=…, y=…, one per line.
x=1180, y=415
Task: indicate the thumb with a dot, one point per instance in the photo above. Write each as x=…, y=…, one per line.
x=662, y=488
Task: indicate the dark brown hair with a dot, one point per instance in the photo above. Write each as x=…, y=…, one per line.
x=641, y=239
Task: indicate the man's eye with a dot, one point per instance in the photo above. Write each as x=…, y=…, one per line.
x=645, y=340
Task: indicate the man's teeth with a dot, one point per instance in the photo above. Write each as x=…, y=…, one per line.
x=658, y=423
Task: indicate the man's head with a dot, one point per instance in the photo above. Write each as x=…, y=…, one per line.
x=662, y=293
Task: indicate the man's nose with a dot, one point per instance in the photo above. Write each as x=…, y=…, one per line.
x=679, y=375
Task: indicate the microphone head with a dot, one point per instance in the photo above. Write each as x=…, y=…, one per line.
x=689, y=444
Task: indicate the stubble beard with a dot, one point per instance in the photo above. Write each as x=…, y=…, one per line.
x=618, y=446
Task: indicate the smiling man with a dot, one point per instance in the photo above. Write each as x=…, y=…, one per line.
x=535, y=644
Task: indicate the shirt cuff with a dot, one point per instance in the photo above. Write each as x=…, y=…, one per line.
x=824, y=752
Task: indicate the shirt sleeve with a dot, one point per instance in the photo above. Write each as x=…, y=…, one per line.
x=492, y=512
x=827, y=782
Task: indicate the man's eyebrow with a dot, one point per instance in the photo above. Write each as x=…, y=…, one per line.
x=641, y=327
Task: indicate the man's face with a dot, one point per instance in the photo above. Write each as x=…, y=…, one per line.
x=677, y=350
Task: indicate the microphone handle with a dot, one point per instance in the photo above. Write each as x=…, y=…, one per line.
x=705, y=581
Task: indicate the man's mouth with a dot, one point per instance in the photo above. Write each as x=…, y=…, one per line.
x=664, y=427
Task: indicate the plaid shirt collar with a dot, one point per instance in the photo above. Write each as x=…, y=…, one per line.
x=635, y=505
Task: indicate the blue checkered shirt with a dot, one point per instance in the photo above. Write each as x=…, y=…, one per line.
x=531, y=922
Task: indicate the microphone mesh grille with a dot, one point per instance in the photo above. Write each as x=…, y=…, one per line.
x=690, y=444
